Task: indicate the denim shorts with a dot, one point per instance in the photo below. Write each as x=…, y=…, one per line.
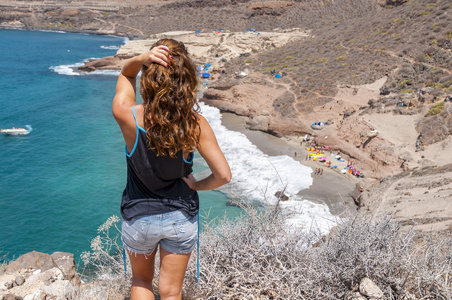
x=175, y=231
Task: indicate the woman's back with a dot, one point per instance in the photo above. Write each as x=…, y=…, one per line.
x=160, y=202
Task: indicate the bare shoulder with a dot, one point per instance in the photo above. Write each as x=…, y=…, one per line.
x=203, y=124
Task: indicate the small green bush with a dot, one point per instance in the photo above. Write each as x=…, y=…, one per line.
x=288, y=57
x=248, y=61
x=430, y=5
x=436, y=109
x=397, y=20
x=340, y=58
x=430, y=84
x=291, y=69
x=407, y=91
x=424, y=13
x=320, y=60
x=449, y=89
x=403, y=83
x=439, y=86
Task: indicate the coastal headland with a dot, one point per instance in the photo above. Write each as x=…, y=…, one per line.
x=369, y=80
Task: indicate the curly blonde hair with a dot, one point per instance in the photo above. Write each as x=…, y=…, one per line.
x=170, y=104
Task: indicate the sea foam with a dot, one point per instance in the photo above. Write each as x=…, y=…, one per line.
x=256, y=177
x=110, y=47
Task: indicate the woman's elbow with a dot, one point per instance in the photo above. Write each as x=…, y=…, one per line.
x=226, y=177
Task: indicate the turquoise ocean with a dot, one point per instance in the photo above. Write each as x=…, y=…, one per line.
x=59, y=183
x=64, y=179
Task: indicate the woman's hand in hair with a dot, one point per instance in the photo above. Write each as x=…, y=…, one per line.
x=158, y=54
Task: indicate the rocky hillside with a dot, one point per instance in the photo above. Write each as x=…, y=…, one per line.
x=364, y=61
x=418, y=198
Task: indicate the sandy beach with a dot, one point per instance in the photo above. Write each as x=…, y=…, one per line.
x=331, y=188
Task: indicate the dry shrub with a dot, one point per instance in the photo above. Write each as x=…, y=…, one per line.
x=104, y=263
x=260, y=256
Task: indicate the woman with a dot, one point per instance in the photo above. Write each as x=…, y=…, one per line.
x=160, y=203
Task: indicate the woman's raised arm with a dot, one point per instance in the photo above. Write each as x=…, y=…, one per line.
x=125, y=95
x=126, y=85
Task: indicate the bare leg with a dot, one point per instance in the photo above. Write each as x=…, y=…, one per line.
x=172, y=272
x=142, y=276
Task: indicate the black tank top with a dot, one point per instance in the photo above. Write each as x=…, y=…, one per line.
x=154, y=183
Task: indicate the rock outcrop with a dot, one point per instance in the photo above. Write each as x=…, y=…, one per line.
x=416, y=197
x=38, y=275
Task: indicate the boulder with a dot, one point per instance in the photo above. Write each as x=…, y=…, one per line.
x=281, y=196
x=385, y=3
x=35, y=260
x=368, y=288
x=65, y=262
x=257, y=123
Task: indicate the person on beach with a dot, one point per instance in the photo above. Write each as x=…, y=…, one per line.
x=160, y=202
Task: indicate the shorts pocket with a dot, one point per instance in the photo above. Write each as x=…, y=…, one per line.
x=186, y=228
x=134, y=232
